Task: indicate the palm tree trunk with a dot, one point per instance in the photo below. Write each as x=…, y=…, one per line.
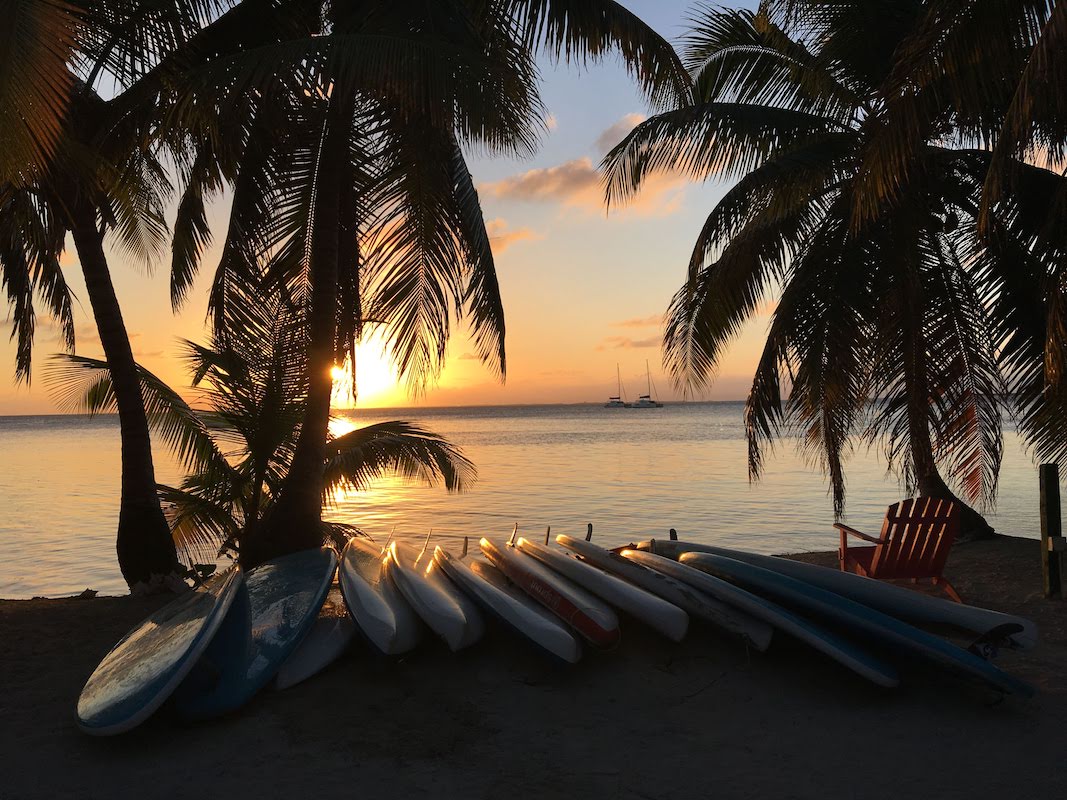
x=145, y=548
x=294, y=522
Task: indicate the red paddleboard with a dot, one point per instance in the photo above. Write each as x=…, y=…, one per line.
x=587, y=614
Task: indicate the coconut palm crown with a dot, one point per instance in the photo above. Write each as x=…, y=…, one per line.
x=888, y=328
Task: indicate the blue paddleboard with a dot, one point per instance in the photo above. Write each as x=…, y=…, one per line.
x=842, y=650
x=143, y=669
x=284, y=598
x=874, y=626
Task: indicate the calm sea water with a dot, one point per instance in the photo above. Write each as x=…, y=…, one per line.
x=632, y=473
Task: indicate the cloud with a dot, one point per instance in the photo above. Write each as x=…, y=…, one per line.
x=551, y=122
x=468, y=357
x=640, y=322
x=576, y=184
x=501, y=237
x=614, y=134
x=563, y=182
x=626, y=343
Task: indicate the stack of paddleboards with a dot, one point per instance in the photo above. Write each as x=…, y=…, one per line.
x=213, y=649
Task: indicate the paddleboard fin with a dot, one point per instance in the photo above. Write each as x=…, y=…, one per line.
x=989, y=643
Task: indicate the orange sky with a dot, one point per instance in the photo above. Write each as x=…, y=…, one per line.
x=583, y=290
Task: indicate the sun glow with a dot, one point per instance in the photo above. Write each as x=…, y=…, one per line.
x=375, y=382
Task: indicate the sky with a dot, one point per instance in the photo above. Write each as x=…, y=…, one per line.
x=584, y=290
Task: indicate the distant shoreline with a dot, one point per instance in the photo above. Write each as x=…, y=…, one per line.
x=382, y=409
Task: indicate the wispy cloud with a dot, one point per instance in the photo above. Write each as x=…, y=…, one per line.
x=551, y=122
x=468, y=357
x=501, y=236
x=626, y=343
x=576, y=184
x=615, y=133
x=564, y=182
x=640, y=322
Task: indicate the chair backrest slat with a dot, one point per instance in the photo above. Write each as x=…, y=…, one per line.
x=917, y=535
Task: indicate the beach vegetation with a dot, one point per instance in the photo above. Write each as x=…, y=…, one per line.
x=910, y=309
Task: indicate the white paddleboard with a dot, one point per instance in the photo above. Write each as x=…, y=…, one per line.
x=384, y=618
x=663, y=617
x=755, y=632
x=450, y=614
x=582, y=610
x=326, y=642
x=486, y=584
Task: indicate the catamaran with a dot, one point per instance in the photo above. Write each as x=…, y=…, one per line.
x=645, y=400
x=616, y=401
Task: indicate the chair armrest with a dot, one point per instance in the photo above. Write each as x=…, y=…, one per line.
x=859, y=534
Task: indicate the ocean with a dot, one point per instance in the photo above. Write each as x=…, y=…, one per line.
x=633, y=474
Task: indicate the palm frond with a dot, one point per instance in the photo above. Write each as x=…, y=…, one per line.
x=36, y=50
x=397, y=447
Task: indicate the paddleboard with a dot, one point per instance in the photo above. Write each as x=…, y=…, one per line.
x=579, y=609
x=897, y=601
x=382, y=615
x=148, y=664
x=326, y=642
x=449, y=613
x=488, y=586
x=878, y=628
x=755, y=632
x=284, y=599
x=663, y=617
x=841, y=650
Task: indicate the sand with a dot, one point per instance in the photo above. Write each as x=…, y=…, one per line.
x=650, y=720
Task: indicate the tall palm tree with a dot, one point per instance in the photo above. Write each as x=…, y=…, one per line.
x=901, y=309
x=239, y=441
x=351, y=193
x=89, y=167
x=991, y=72
x=78, y=168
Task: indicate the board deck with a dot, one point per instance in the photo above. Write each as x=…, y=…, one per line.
x=383, y=617
x=445, y=609
x=876, y=628
x=662, y=616
x=489, y=587
x=897, y=601
x=842, y=650
x=284, y=597
x=329, y=638
x=149, y=663
x=756, y=633
x=584, y=612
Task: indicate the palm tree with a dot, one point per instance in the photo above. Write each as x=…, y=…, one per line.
x=351, y=194
x=990, y=72
x=77, y=167
x=238, y=446
x=903, y=310
x=94, y=168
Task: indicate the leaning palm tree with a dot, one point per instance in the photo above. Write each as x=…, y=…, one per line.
x=95, y=169
x=95, y=178
x=883, y=332
x=351, y=194
x=238, y=442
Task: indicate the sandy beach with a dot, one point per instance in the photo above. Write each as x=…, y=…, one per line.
x=650, y=720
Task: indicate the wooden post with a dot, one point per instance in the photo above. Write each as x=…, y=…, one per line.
x=1052, y=541
x=589, y=532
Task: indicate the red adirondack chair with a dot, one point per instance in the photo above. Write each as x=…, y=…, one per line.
x=914, y=544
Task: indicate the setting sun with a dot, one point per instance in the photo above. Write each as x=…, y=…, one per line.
x=376, y=381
